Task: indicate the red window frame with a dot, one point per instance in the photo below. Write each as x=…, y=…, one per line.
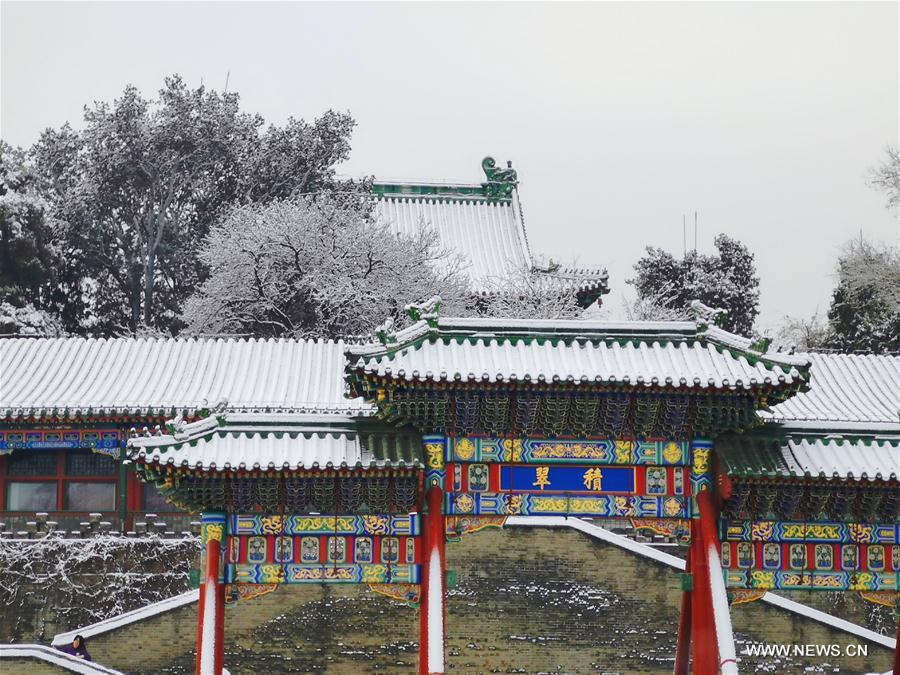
x=60, y=478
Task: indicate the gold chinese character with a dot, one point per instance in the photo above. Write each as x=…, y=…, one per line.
x=593, y=479
x=543, y=479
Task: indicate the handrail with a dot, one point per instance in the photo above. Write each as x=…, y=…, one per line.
x=674, y=562
x=56, y=657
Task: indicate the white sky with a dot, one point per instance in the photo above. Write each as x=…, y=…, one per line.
x=620, y=117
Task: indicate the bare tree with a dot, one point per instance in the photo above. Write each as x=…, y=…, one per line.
x=803, y=334
x=315, y=266
x=527, y=294
x=886, y=177
x=660, y=305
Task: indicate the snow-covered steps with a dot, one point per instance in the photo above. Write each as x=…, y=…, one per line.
x=677, y=563
x=133, y=616
x=55, y=657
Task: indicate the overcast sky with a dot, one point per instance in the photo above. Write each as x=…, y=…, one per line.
x=621, y=118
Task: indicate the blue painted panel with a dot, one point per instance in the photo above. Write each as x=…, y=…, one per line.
x=585, y=479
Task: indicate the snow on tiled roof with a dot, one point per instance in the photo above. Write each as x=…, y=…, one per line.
x=676, y=354
x=252, y=449
x=70, y=377
x=306, y=442
x=486, y=235
x=845, y=391
x=489, y=236
x=639, y=364
x=817, y=457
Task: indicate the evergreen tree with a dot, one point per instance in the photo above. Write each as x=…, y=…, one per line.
x=726, y=280
x=29, y=258
x=137, y=189
x=26, y=247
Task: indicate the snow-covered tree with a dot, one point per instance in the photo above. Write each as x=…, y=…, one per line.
x=315, y=266
x=28, y=254
x=659, y=305
x=865, y=307
x=886, y=177
x=140, y=185
x=525, y=294
x=726, y=280
x=804, y=334
x=28, y=321
x=25, y=238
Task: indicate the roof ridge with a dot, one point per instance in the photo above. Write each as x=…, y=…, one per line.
x=200, y=339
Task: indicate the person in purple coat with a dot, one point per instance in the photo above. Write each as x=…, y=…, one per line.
x=77, y=649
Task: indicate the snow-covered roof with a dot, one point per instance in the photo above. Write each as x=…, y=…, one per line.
x=652, y=354
x=847, y=391
x=72, y=377
x=816, y=457
x=484, y=230
x=273, y=448
x=488, y=236
x=305, y=442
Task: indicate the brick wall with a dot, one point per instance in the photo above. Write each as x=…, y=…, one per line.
x=29, y=667
x=55, y=584
x=528, y=600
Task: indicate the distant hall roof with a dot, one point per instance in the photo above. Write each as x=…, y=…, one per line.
x=488, y=236
x=483, y=224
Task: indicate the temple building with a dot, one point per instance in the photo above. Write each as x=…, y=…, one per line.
x=67, y=405
x=356, y=462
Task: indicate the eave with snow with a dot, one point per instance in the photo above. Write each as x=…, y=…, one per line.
x=674, y=380
x=831, y=453
x=269, y=462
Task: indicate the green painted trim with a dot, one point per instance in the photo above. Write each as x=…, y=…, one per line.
x=423, y=190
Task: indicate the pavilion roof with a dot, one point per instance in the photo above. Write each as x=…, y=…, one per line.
x=821, y=457
x=72, y=378
x=85, y=377
x=673, y=354
x=562, y=377
x=235, y=442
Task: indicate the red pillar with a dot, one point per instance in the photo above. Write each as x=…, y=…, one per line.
x=431, y=609
x=211, y=614
x=703, y=629
x=683, y=646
